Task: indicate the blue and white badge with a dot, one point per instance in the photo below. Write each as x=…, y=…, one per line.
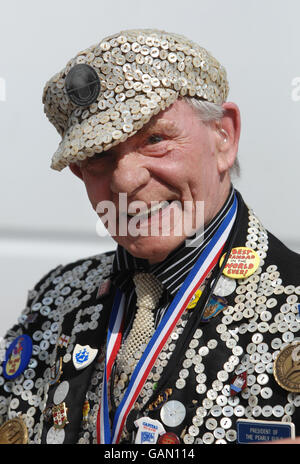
x=83, y=356
x=148, y=431
x=256, y=431
x=17, y=357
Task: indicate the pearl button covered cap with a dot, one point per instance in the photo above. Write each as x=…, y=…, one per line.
x=126, y=79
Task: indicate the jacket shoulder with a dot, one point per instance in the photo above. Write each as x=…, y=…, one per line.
x=56, y=290
x=288, y=261
x=102, y=261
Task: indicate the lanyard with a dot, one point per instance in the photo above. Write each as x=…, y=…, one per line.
x=205, y=263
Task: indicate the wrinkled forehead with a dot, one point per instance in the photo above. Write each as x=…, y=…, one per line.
x=111, y=90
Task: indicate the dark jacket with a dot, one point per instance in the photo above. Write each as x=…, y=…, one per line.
x=67, y=302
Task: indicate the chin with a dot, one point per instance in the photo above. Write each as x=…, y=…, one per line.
x=155, y=249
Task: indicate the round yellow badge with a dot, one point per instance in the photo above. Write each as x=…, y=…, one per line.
x=242, y=263
x=194, y=299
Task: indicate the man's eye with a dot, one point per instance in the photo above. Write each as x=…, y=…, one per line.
x=96, y=157
x=101, y=156
x=155, y=138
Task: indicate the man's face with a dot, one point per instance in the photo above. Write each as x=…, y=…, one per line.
x=171, y=160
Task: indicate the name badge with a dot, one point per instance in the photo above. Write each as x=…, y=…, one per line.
x=252, y=431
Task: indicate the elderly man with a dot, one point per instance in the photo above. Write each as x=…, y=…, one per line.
x=188, y=333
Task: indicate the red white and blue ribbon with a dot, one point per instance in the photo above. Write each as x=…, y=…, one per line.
x=205, y=263
x=113, y=343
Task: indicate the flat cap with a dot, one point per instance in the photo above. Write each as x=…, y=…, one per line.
x=109, y=91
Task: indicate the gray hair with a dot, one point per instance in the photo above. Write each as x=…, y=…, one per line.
x=208, y=111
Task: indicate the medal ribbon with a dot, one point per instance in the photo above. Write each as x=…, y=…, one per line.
x=113, y=342
x=205, y=263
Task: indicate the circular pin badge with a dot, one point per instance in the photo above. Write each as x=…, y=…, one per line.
x=17, y=357
x=287, y=368
x=168, y=438
x=173, y=413
x=82, y=84
x=224, y=286
x=242, y=263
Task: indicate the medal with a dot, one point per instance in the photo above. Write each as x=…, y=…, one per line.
x=83, y=356
x=287, y=368
x=242, y=263
x=17, y=357
x=14, y=432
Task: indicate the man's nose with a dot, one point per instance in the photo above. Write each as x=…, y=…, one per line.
x=129, y=174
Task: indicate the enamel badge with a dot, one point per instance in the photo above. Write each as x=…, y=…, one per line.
x=63, y=341
x=17, y=357
x=83, y=356
x=238, y=383
x=60, y=417
x=104, y=288
x=56, y=372
x=215, y=305
x=194, y=300
x=148, y=431
x=85, y=411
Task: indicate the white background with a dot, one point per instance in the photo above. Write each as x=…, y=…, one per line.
x=45, y=218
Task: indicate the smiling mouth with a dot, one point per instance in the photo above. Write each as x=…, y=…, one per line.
x=150, y=211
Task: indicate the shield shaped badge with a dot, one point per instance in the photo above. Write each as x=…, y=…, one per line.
x=59, y=414
x=83, y=356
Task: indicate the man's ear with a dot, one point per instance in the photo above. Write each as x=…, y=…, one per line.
x=76, y=170
x=229, y=131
